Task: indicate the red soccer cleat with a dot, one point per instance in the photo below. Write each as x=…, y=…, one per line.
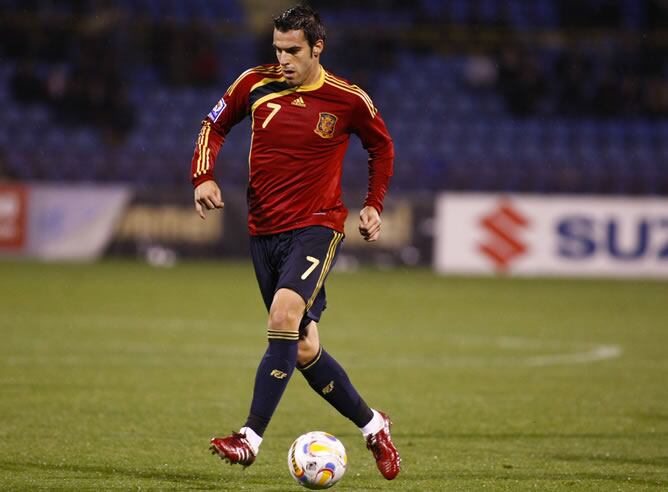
x=233, y=449
x=386, y=455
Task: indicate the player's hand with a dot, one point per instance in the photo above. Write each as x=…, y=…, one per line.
x=207, y=196
x=369, y=224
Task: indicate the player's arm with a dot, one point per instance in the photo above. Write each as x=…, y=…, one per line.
x=370, y=127
x=207, y=192
x=229, y=111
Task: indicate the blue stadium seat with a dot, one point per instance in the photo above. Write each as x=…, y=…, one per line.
x=435, y=9
x=85, y=139
x=444, y=132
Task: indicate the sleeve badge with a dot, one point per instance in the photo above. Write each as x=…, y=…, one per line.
x=217, y=110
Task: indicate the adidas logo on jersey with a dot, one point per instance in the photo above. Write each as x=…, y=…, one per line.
x=299, y=102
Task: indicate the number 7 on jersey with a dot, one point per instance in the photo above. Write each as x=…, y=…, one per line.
x=274, y=109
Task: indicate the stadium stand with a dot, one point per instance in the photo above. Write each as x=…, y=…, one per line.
x=561, y=107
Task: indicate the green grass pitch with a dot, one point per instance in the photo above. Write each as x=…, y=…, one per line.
x=115, y=376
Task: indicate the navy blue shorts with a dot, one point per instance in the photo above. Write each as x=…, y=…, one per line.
x=298, y=260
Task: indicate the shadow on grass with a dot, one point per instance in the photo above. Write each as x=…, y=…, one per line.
x=660, y=461
x=653, y=416
x=108, y=472
x=189, y=481
x=566, y=478
x=523, y=435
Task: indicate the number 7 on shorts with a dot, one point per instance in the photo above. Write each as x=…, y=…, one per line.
x=314, y=264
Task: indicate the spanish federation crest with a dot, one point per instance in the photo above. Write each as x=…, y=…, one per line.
x=326, y=125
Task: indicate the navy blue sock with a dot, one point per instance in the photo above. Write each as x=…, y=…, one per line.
x=271, y=379
x=329, y=380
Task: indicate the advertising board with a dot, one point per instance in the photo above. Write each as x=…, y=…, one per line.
x=551, y=235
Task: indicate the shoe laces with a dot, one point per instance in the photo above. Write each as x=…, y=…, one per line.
x=373, y=442
x=239, y=436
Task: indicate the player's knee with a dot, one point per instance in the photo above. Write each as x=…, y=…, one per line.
x=281, y=319
x=306, y=351
x=308, y=346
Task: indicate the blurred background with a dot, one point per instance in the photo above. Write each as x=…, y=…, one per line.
x=104, y=98
x=531, y=140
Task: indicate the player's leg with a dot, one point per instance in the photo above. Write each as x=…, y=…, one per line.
x=302, y=258
x=276, y=366
x=327, y=378
x=306, y=255
x=279, y=360
x=271, y=379
x=322, y=372
x=294, y=265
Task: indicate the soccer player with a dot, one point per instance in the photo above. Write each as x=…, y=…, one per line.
x=302, y=117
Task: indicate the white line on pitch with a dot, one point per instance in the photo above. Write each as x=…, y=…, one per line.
x=600, y=352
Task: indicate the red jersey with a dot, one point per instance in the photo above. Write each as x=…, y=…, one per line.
x=299, y=138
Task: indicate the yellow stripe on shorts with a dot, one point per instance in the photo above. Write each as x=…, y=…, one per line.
x=331, y=251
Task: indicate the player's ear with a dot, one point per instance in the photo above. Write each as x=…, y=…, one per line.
x=318, y=47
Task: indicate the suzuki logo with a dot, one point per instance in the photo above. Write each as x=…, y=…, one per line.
x=503, y=244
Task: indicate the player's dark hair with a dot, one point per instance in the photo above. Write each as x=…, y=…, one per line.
x=301, y=17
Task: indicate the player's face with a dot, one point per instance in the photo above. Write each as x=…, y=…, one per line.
x=300, y=62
